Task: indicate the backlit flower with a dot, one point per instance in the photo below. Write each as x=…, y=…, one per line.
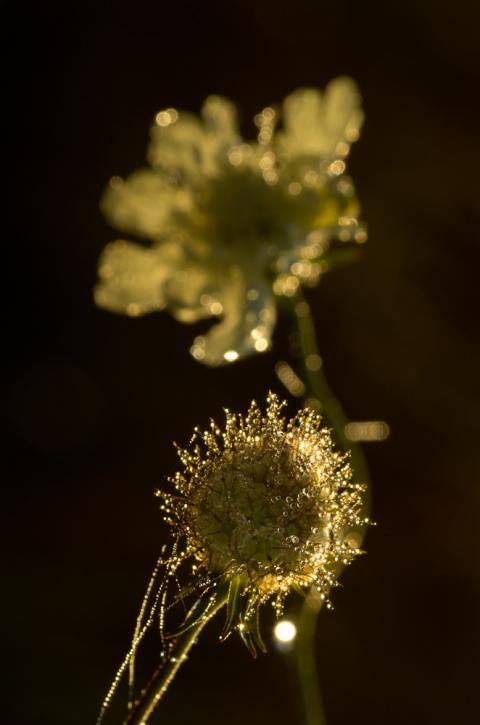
x=267, y=504
x=231, y=224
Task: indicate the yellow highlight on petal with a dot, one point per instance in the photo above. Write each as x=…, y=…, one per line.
x=197, y=352
x=116, y=182
x=336, y=168
x=231, y=355
x=165, y=118
x=294, y=188
x=261, y=344
x=133, y=310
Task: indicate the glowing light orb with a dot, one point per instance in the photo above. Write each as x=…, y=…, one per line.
x=285, y=631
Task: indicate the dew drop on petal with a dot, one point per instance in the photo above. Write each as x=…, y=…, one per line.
x=231, y=355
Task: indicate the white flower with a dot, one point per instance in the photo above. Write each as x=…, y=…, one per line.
x=230, y=224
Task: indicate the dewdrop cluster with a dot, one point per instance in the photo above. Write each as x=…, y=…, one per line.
x=267, y=501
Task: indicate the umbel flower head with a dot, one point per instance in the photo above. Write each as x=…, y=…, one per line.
x=231, y=224
x=267, y=504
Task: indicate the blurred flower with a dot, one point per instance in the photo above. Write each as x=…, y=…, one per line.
x=268, y=505
x=231, y=224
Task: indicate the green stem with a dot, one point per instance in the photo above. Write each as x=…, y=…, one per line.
x=142, y=708
x=304, y=662
x=307, y=354
x=317, y=384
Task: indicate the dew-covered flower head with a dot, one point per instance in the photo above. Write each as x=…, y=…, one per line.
x=267, y=503
x=231, y=224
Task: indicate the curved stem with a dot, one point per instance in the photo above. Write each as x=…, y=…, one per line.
x=305, y=664
x=150, y=697
x=318, y=386
x=307, y=354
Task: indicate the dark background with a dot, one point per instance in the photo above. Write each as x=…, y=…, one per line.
x=94, y=400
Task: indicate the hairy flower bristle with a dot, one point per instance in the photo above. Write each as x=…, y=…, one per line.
x=267, y=502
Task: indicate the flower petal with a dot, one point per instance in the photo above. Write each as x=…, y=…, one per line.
x=191, y=293
x=249, y=317
x=188, y=149
x=133, y=278
x=220, y=117
x=315, y=124
x=140, y=205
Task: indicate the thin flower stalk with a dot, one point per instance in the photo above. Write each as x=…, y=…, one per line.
x=142, y=708
x=318, y=388
x=319, y=393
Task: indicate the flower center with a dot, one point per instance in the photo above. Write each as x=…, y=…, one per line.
x=255, y=512
x=240, y=210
